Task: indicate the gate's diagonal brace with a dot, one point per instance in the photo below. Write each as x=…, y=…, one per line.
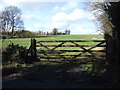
x=88, y=50
x=53, y=49
x=58, y=46
x=78, y=45
x=94, y=47
x=85, y=50
x=44, y=46
x=97, y=45
x=80, y=53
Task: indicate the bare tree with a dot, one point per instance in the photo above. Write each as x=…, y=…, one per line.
x=67, y=32
x=11, y=20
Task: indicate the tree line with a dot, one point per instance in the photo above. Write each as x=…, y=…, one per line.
x=55, y=31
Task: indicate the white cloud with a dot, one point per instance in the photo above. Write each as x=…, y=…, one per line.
x=11, y=2
x=76, y=14
x=56, y=8
x=69, y=5
x=18, y=1
x=78, y=29
x=58, y=24
x=26, y=16
x=60, y=16
x=37, y=25
x=62, y=19
x=1, y=7
x=23, y=4
x=50, y=25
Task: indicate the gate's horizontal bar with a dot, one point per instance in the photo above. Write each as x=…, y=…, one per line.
x=82, y=62
x=70, y=46
x=55, y=55
x=72, y=50
x=50, y=55
x=74, y=41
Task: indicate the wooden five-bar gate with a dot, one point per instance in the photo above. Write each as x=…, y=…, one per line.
x=67, y=49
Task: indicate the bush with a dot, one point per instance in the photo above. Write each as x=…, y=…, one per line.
x=13, y=54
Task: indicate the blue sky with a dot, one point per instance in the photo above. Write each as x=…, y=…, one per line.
x=44, y=16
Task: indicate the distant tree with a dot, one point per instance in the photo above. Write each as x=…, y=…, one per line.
x=11, y=20
x=55, y=31
x=67, y=32
x=44, y=33
x=40, y=32
x=47, y=33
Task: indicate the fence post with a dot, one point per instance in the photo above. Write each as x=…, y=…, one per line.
x=31, y=47
x=34, y=47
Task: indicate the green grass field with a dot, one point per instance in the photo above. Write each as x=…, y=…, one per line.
x=26, y=41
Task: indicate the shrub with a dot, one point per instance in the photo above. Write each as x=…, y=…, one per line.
x=14, y=53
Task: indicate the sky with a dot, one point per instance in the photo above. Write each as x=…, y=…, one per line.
x=44, y=15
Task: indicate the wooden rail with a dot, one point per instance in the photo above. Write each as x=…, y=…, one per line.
x=70, y=46
x=73, y=50
x=74, y=41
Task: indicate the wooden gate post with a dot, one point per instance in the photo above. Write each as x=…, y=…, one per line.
x=33, y=48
